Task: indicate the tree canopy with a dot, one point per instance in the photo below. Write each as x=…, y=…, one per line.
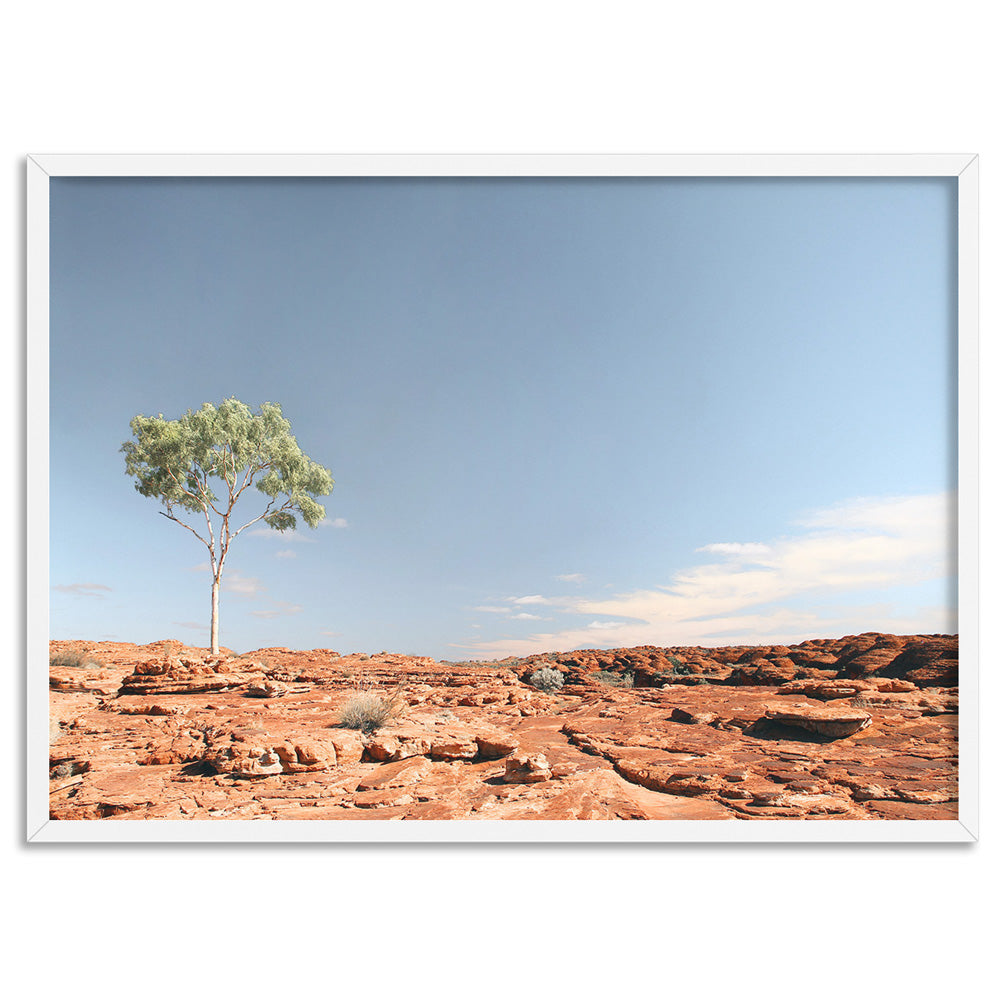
x=205, y=461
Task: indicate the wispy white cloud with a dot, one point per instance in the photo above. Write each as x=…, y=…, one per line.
x=296, y=536
x=301, y=535
x=197, y=626
x=510, y=610
x=330, y=633
x=790, y=588
x=743, y=550
x=82, y=589
x=530, y=599
x=571, y=577
x=905, y=515
x=286, y=554
x=246, y=586
x=280, y=609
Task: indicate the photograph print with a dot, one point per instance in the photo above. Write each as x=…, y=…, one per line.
x=532, y=500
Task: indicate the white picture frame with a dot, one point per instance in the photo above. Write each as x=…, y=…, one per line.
x=41, y=168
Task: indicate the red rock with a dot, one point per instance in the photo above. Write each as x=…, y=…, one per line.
x=126, y=709
x=397, y=774
x=695, y=718
x=495, y=745
x=450, y=747
x=675, y=778
x=191, y=744
x=266, y=689
x=176, y=675
x=382, y=797
x=524, y=768
x=825, y=690
x=834, y=723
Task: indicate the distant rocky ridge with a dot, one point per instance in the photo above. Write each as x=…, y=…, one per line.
x=862, y=727
x=924, y=660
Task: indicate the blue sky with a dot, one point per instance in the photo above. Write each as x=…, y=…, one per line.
x=559, y=413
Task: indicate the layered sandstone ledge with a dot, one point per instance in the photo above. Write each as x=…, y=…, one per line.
x=863, y=727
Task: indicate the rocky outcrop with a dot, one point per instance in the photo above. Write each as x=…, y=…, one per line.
x=169, y=732
x=925, y=660
x=526, y=768
x=187, y=675
x=830, y=723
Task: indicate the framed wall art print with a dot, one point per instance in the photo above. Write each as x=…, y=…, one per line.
x=502, y=498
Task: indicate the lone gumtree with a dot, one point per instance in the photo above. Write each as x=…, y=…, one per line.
x=178, y=461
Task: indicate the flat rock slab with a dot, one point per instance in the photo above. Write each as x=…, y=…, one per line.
x=397, y=774
x=833, y=723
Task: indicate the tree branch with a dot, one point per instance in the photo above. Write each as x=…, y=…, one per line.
x=252, y=471
x=170, y=472
x=211, y=533
x=267, y=510
x=189, y=528
x=205, y=503
x=225, y=473
x=204, y=494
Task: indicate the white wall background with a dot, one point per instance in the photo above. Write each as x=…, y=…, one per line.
x=538, y=76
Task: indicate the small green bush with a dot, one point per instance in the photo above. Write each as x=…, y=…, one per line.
x=665, y=678
x=680, y=668
x=546, y=679
x=368, y=711
x=613, y=679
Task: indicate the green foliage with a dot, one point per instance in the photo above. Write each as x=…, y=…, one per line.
x=176, y=462
x=368, y=711
x=613, y=679
x=663, y=678
x=546, y=679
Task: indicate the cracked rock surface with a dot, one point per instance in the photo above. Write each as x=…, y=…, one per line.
x=859, y=728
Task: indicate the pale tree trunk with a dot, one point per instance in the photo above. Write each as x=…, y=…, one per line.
x=215, y=615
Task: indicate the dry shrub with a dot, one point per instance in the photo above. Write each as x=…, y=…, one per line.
x=75, y=656
x=369, y=710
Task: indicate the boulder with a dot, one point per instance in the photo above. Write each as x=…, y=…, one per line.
x=526, y=769
x=832, y=723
